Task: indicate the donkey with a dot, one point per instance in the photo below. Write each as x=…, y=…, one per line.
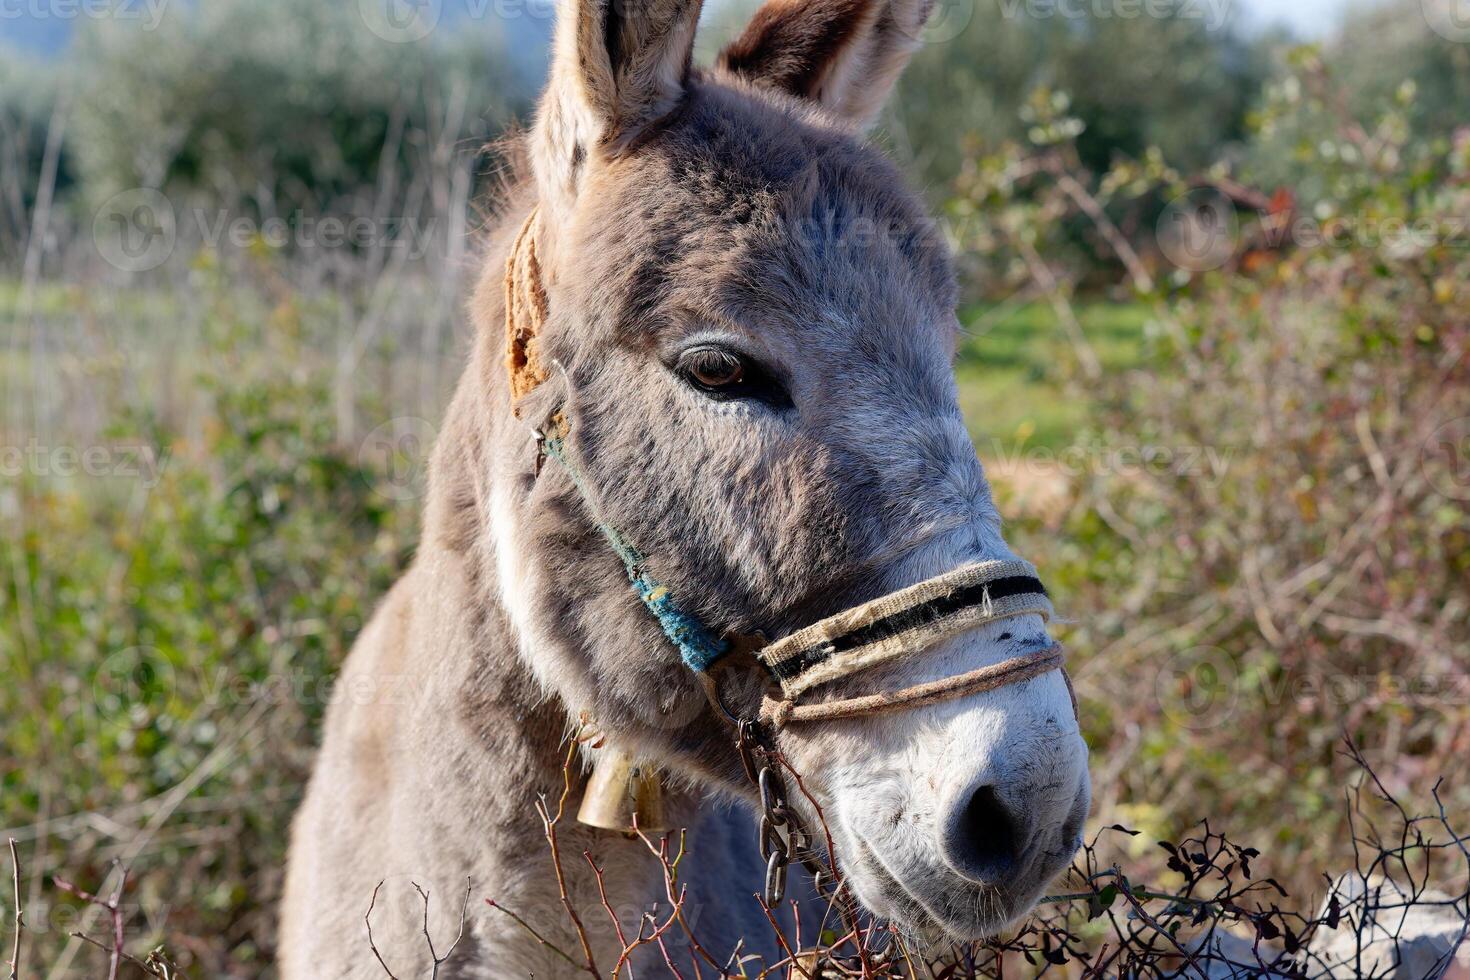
x=748, y=324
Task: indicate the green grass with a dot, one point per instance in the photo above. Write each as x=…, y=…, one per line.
x=1014, y=365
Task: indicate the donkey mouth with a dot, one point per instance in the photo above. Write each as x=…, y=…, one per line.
x=950, y=911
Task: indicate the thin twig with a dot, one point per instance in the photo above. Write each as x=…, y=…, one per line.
x=368, y=921
x=20, y=921
x=606, y=905
x=1066, y=316
x=533, y=933
x=113, y=907
x=155, y=965
x=550, y=823
x=429, y=940
x=671, y=875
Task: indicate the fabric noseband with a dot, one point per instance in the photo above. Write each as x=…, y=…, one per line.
x=895, y=624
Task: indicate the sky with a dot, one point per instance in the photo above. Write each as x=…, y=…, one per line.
x=1310, y=18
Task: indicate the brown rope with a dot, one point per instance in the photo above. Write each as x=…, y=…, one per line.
x=780, y=713
x=526, y=307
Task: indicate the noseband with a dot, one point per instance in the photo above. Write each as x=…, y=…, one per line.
x=897, y=625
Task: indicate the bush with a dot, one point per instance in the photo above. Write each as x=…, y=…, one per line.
x=297, y=106
x=1179, y=82
x=1269, y=540
x=171, y=632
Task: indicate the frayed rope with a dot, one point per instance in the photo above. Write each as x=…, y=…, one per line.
x=698, y=647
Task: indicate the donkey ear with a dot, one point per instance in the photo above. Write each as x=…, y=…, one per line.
x=617, y=66
x=844, y=54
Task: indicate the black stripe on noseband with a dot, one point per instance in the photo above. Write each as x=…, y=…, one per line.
x=925, y=613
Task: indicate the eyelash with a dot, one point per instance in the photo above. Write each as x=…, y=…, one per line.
x=756, y=382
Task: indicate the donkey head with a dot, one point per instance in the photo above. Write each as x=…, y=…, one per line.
x=749, y=323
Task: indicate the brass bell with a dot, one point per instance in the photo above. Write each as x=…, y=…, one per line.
x=807, y=966
x=621, y=788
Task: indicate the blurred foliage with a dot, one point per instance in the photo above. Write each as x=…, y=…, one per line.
x=1263, y=535
x=185, y=634
x=1387, y=68
x=277, y=106
x=28, y=92
x=1182, y=83
x=273, y=106
x=1381, y=47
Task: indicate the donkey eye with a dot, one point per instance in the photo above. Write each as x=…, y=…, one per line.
x=724, y=374
x=710, y=367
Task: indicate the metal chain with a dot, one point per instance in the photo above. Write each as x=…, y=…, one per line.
x=779, y=834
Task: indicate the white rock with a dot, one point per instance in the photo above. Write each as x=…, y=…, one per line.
x=1398, y=939
x=1227, y=956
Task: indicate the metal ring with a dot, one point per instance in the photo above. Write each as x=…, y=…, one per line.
x=771, y=840
x=746, y=741
x=711, y=689
x=775, y=880
x=773, y=791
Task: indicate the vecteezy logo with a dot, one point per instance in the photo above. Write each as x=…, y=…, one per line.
x=1445, y=459
x=401, y=21
x=947, y=21
x=135, y=231
x=133, y=686
x=1198, y=231
x=1450, y=19
x=396, y=455
x=1198, y=688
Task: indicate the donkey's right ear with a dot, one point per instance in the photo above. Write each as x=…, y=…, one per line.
x=844, y=55
x=617, y=67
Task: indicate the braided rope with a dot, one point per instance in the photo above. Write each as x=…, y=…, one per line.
x=781, y=712
x=904, y=622
x=698, y=647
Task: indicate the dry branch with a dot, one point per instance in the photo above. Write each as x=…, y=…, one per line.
x=372, y=944
x=438, y=960
x=155, y=964
x=113, y=907
x=1223, y=917
x=549, y=824
x=20, y=922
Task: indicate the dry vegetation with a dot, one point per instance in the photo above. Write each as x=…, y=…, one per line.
x=1256, y=522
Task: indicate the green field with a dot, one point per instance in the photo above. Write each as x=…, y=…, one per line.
x=1015, y=363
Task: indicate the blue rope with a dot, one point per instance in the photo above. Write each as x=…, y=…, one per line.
x=699, y=648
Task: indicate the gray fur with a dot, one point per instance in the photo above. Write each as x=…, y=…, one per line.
x=693, y=204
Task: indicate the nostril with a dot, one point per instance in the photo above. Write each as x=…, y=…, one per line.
x=985, y=839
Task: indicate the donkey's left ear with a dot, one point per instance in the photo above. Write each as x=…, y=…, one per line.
x=617, y=67
x=845, y=55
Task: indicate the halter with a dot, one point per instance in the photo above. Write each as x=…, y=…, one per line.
x=857, y=639
x=891, y=627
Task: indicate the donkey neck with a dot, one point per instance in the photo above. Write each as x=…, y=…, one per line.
x=520, y=726
x=470, y=490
